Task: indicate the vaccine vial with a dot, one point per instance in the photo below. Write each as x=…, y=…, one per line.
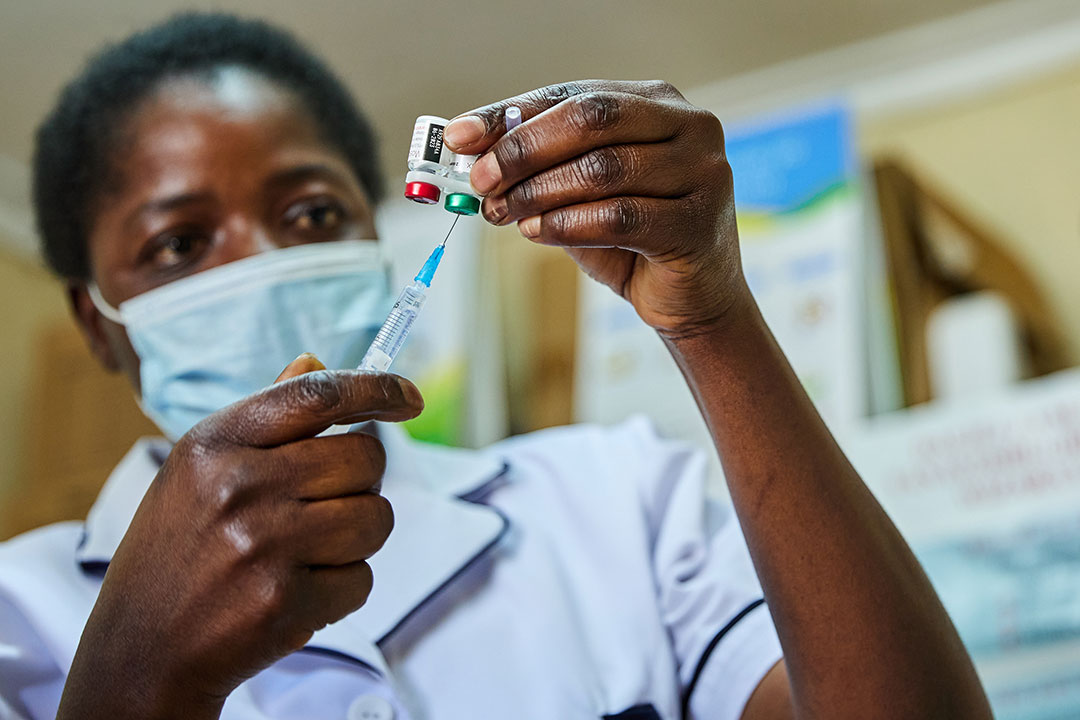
x=457, y=171
x=460, y=166
x=426, y=149
x=426, y=156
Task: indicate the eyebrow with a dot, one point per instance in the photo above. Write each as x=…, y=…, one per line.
x=171, y=203
x=282, y=177
x=307, y=171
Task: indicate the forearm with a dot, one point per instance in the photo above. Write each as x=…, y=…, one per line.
x=863, y=633
x=118, y=696
x=115, y=679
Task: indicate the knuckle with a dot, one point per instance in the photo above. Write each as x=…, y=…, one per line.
x=721, y=171
x=215, y=480
x=243, y=542
x=225, y=495
x=273, y=596
x=373, y=452
x=228, y=483
x=199, y=444
x=363, y=582
x=316, y=391
x=524, y=196
x=596, y=111
x=356, y=591
x=553, y=94
x=375, y=517
x=621, y=217
x=656, y=88
x=709, y=126
x=664, y=89
x=511, y=149
x=558, y=225
x=602, y=168
x=193, y=451
x=384, y=513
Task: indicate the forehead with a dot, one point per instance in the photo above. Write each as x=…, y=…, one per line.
x=193, y=127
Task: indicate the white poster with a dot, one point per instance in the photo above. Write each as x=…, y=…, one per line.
x=988, y=495
x=801, y=225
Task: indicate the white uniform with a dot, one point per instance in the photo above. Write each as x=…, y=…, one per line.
x=571, y=573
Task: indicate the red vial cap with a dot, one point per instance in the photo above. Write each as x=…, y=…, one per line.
x=422, y=192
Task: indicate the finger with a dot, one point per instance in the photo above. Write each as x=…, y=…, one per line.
x=645, y=170
x=341, y=531
x=475, y=131
x=304, y=406
x=571, y=128
x=331, y=466
x=305, y=363
x=644, y=225
x=333, y=592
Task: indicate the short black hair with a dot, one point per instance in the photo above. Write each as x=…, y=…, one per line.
x=74, y=143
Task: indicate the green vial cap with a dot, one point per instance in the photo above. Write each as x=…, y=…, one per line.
x=462, y=204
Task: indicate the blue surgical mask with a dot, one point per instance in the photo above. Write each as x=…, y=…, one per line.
x=210, y=339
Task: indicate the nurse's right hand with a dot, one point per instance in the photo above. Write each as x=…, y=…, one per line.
x=253, y=536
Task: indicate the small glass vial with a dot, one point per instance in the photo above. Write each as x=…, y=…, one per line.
x=426, y=156
x=426, y=149
x=459, y=166
x=458, y=169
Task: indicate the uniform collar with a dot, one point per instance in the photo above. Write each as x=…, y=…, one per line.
x=439, y=530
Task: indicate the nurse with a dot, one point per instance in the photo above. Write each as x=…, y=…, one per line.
x=206, y=188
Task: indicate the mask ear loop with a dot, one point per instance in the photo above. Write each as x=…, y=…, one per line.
x=102, y=304
x=117, y=317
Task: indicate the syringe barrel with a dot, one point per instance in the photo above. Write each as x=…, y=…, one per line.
x=392, y=334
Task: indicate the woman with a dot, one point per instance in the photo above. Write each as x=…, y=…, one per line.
x=207, y=189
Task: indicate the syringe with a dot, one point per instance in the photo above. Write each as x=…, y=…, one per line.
x=395, y=329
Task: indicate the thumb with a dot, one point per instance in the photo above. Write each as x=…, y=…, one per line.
x=305, y=363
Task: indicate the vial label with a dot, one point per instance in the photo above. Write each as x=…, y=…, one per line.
x=427, y=142
x=461, y=165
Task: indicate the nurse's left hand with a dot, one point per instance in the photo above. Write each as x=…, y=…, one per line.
x=631, y=180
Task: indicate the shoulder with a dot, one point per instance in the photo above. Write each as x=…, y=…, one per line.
x=41, y=560
x=50, y=544
x=44, y=599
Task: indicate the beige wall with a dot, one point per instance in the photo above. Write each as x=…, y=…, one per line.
x=1011, y=158
x=31, y=300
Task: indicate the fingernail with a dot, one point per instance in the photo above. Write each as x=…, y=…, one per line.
x=463, y=131
x=310, y=359
x=486, y=174
x=495, y=209
x=530, y=226
x=411, y=393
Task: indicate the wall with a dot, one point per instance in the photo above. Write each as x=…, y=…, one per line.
x=31, y=300
x=1009, y=158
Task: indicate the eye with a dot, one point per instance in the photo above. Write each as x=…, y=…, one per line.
x=174, y=249
x=319, y=216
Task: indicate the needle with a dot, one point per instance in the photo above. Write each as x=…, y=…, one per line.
x=452, y=226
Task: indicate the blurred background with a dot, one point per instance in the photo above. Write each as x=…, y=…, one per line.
x=909, y=206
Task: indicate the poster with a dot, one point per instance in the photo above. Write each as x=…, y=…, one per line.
x=987, y=493
x=801, y=232
x=801, y=226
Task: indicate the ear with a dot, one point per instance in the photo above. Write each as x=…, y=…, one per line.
x=95, y=327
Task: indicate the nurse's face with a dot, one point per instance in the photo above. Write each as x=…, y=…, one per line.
x=207, y=172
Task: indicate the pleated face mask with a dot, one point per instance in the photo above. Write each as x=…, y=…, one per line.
x=208, y=340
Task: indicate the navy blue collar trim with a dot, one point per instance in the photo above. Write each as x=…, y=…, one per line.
x=685, y=713
x=484, y=551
